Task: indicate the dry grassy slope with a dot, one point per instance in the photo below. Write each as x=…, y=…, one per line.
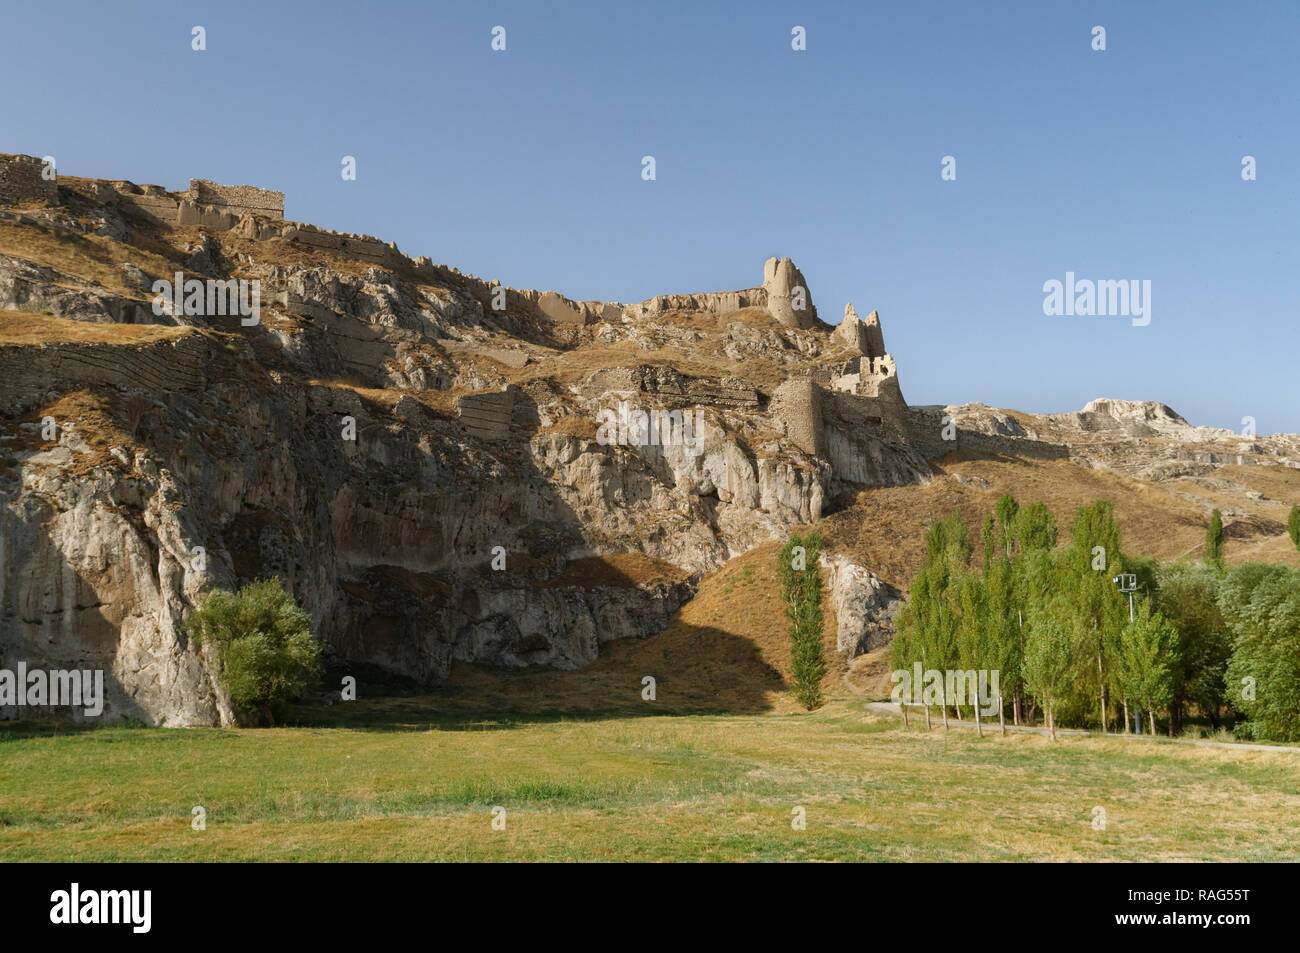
x=22, y=329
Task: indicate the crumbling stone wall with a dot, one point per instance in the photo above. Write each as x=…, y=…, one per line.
x=21, y=181
x=170, y=365
x=202, y=207
x=870, y=377
x=797, y=405
x=788, y=297
x=784, y=294
x=926, y=426
x=862, y=336
x=672, y=388
x=239, y=200
x=719, y=302
x=487, y=416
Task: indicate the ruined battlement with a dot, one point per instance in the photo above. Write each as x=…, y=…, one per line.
x=22, y=182
x=797, y=405
x=237, y=199
x=784, y=295
x=872, y=371
x=203, y=203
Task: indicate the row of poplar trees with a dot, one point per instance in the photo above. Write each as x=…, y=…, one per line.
x=1054, y=624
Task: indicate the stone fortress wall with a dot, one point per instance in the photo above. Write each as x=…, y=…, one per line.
x=862, y=388
x=168, y=365
x=797, y=404
x=218, y=207
x=258, y=214
x=487, y=415
x=784, y=294
x=239, y=199
x=21, y=181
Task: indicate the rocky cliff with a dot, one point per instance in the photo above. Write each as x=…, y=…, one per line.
x=415, y=452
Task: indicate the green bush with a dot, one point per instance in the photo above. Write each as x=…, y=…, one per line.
x=264, y=642
x=1261, y=603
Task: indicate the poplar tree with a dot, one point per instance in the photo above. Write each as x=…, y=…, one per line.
x=928, y=624
x=801, y=588
x=1049, y=665
x=1214, y=541
x=1092, y=560
x=1144, y=664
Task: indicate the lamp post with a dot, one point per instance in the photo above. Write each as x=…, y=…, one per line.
x=1128, y=583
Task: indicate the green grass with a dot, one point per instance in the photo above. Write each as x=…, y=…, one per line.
x=635, y=788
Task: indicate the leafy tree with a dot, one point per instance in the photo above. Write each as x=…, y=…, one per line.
x=1005, y=639
x=264, y=642
x=1006, y=510
x=1214, y=541
x=1261, y=603
x=801, y=588
x=1032, y=577
x=1049, y=666
x=1187, y=597
x=1035, y=528
x=975, y=633
x=1092, y=559
x=1293, y=525
x=928, y=626
x=1145, y=661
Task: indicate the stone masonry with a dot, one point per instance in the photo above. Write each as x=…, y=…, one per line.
x=21, y=181
x=238, y=199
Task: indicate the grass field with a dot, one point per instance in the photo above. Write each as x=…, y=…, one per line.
x=621, y=787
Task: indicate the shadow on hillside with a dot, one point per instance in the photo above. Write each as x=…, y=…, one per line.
x=972, y=454
x=697, y=670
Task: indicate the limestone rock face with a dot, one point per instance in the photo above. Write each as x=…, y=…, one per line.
x=788, y=297
x=1135, y=417
x=85, y=588
x=865, y=607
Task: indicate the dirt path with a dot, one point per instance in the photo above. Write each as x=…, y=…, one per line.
x=992, y=726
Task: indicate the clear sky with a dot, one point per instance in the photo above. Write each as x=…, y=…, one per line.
x=525, y=165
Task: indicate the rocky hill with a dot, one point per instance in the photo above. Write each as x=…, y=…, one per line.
x=449, y=471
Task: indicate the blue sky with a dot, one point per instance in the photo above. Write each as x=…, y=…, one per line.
x=524, y=165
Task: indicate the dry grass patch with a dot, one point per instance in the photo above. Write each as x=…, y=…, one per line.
x=21, y=328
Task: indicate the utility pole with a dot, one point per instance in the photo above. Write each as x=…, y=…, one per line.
x=1128, y=583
